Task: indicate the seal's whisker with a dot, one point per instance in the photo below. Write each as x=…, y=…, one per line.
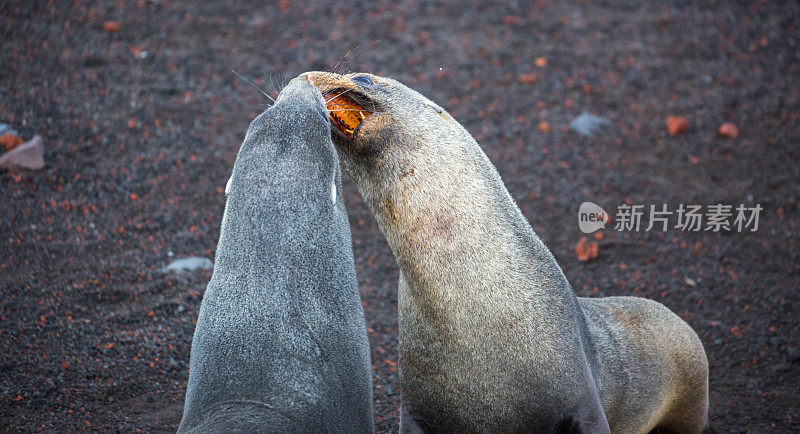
x=337, y=96
x=353, y=61
x=254, y=85
x=328, y=92
x=338, y=63
x=278, y=83
x=341, y=60
x=271, y=82
x=332, y=67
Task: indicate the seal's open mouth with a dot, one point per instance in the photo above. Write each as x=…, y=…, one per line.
x=346, y=110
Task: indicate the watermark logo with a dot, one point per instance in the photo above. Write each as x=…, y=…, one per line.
x=591, y=217
x=686, y=218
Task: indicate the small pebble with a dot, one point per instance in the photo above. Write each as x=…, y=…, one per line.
x=676, y=125
x=587, y=124
x=9, y=141
x=27, y=156
x=6, y=129
x=112, y=26
x=190, y=264
x=728, y=130
x=586, y=250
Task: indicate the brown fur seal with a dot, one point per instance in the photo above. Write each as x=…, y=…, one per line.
x=492, y=337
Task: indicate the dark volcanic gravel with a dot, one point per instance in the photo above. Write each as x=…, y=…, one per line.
x=142, y=126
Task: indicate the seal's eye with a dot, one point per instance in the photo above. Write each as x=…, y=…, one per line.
x=362, y=80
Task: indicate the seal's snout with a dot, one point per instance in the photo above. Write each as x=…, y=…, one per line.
x=300, y=88
x=301, y=96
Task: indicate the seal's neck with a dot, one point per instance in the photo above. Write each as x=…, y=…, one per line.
x=457, y=234
x=279, y=209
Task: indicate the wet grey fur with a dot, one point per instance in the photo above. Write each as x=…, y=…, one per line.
x=281, y=342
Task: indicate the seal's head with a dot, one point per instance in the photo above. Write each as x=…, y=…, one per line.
x=288, y=147
x=378, y=122
x=298, y=116
x=408, y=156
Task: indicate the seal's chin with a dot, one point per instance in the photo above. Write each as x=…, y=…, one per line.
x=346, y=110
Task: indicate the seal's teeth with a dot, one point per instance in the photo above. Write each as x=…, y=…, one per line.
x=346, y=114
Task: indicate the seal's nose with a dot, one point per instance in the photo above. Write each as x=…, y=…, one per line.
x=300, y=94
x=322, y=80
x=305, y=76
x=297, y=87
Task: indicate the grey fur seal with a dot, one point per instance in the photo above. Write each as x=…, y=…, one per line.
x=491, y=335
x=281, y=343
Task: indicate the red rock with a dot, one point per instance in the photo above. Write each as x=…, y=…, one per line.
x=530, y=78
x=676, y=125
x=10, y=141
x=586, y=250
x=27, y=156
x=112, y=26
x=729, y=130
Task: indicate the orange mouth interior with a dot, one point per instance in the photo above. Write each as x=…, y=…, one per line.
x=345, y=113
